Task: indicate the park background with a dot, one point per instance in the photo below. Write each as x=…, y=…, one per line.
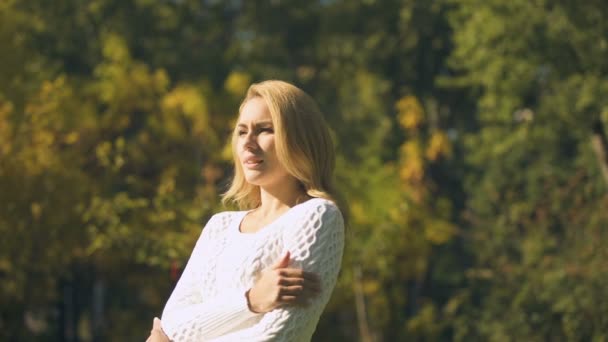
x=471, y=140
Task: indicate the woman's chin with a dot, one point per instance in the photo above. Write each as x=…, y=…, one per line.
x=253, y=178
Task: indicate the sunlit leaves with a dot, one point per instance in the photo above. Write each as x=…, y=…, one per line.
x=410, y=112
x=237, y=83
x=115, y=119
x=125, y=84
x=6, y=108
x=412, y=169
x=439, y=146
x=423, y=146
x=187, y=102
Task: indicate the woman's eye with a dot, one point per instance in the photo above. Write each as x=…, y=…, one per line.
x=239, y=133
x=267, y=130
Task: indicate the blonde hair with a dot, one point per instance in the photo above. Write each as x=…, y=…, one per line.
x=302, y=139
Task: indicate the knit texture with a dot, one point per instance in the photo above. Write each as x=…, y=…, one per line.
x=209, y=303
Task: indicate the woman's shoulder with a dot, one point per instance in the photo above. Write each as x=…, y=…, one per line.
x=226, y=216
x=318, y=211
x=317, y=224
x=221, y=221
x=321, y=205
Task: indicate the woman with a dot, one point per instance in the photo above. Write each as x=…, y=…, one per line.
x=267, y=272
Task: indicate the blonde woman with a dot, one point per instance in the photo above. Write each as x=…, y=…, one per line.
x=265, y=273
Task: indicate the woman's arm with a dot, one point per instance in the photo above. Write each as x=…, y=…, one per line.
x=191, y=316
x=317, y=244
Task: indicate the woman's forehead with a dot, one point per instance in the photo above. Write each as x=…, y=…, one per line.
x=255, y=110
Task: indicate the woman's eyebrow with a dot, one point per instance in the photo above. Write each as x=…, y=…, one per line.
x=256, y=124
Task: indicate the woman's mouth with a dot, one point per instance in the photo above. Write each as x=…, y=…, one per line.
x=253, y=163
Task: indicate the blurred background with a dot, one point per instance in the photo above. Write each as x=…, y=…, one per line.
x=472, y=148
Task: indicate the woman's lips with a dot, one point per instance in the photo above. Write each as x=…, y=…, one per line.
x=252, y=163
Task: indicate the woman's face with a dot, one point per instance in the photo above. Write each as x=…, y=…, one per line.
x=255, y=145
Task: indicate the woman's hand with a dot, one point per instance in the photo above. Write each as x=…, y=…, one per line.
x=280, y=285
x=157, y=334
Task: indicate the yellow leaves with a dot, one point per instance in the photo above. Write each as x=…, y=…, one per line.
x=71, y=138
x=411, y=157
x=163, y=216
x=161, y=79
x=43, y=138
x=237, y=83
x=167, y=182
x=125, y=83
x=412, y=166
x=38, y=156
x=109, y=220
x=371, y=287
x=420, y=149
x=111, y=155
x=115, y=48
x=410, y=112
x=34, y=142
x=439, y=145
x=424, y=323
x=36, y=210
x=6, y=108
x=185, y=98
x=604, y=116
x=453, y=304
x=439, y=232
x=188, y=101
x=359, y=213
x=103, y=151
x=411, y=169
x=48, y=102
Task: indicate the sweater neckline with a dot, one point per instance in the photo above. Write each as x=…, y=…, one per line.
x=269, y=226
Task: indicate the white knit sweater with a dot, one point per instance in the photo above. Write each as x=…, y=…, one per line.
x=209, y=303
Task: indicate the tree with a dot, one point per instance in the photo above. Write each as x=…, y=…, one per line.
x=536, y=191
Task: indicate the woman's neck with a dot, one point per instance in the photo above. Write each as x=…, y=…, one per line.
x=278, y=199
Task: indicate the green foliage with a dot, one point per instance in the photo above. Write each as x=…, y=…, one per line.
x=467, y=151
x=536, y=193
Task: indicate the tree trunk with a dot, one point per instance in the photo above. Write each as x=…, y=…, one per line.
x=364, y=332
x=68, y=326
x=97, y=312
x=599, y=142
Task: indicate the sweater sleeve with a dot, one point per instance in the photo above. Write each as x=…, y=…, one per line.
x=316, y=243
x=193, y=315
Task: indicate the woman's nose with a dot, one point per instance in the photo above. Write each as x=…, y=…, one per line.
x=250, y=141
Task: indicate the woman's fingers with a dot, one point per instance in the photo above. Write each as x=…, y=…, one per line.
x=298, y=273
x=156, y=324
x=292, y=290
x=158, y=336
x=297, y=295
x=280, y=286
x=301, y=300
x=288, y=299
x=300, y=283
x=307, y=284
x=295, y=283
